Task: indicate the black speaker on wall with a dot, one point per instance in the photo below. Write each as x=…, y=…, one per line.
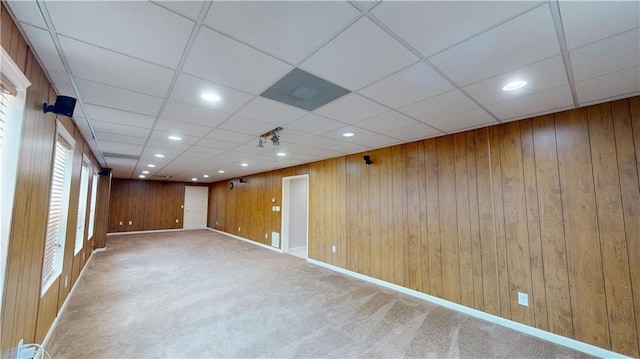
x=105, y=172
x=64, y=106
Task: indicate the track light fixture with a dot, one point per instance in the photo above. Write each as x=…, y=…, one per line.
x=273, y=135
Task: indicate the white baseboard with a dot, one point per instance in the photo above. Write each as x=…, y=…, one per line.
x=246, y=240
x=151, y=231
x=544, y=335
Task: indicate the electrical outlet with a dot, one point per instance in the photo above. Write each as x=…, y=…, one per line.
x=333, y=249
x=177, y=220
x=523, y=299
x=82, y=255
x=66, y=281
x=266, y=235
x=238, y=229
x=216, y=223
x=130, y=222
x=273, y=199
x=25, y=351
x=120, y=223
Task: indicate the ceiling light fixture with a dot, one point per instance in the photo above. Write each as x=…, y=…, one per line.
x=210, y=96
x=151, y=165
x=194, y=179
x=244, y=164
x=159, y=155
x=221, y=171
x=205, y=176
x=145, y=172
x=348, y=134
x=142, y=176
x=275, y=137
x=514, y=85
x=175, y=138
x=281, y=154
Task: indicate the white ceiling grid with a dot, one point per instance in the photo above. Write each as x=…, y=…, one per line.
x=416, y=69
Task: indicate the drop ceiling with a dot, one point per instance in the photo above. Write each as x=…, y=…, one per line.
x=413, y=70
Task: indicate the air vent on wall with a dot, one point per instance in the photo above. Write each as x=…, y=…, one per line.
x=121, y=155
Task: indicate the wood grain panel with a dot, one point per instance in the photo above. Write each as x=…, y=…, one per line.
x=424, y=223
x=611, y=227
x=386, y=228
x=375, y=217
x=581, y=229
x=474, y=221
x=433, y=219
x=414, y=246
x=462, y=219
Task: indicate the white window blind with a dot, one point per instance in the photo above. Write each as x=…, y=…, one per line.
x=92, y=209
x=58, y=205
x=82, y=205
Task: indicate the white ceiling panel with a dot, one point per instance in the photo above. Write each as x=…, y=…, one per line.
x=363, y=137
x=107, y=114
x=439, y=106
x=266, y=110
x=463, y=121
x=114, y=137
x=246, y=126
x=362, y=54
x=190, y=9
x=216, y=144
x=414, y=132
x=609, y=55
x=386, y=122
x=533, y=104
x=223, y=60
x=107, y=23
x=432, y=26
x=589, y=21
x=63, y=85
x=313, y=124
x=27, y=12
x=230, y=136
x=504, y=48
x=96, y=64
x=189, y=89
x=163, y=137
x=289, y=30
x=624, y=82
x=121, y=148
x=169, y=153
x=109, y=96
x=110, y=127
x=351, y=108
x=412, y=84
x=543, y=75
x=182, y=128
x=307, y=150
x=45, y=50
x=179, y=111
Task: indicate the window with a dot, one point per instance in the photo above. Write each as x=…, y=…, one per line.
x=58, y=207
x=82, y=204
x=92, y=209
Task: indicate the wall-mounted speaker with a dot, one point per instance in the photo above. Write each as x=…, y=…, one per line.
x=367, y=160
x=105, y=172
x=64, y=106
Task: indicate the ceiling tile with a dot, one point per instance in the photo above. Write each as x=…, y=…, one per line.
x=308, y=150
x=543, y=75
x=44, y=48
x=362, y=54
x=96, y=64
x=223, y=60
x=313, y=124
x=151, y=32
x=598, y=89
x=190, y=9
x=182, y=128
x=106, y=114
x=162, y=136
x=246, y=126
x=387, y=121
x=609, y=55
x=435, y=107
x=414, y=132
x=110, y=127
x=230, y=136
x=121, y=148
x=169, y=153
x=432, y=26
x=289, y=30
x=63, y=85
x=27, y=11
x=266, y=110
x=363, y=137
x=124, y=163
x=504, y=48
x=588, y=21
x=189, y=89
x=463, y=121
x=533, y=104
x=109, y=96
x=412, y=84
x=179, y=111
x=351, y=108
x=114, y=137
x=361, y=5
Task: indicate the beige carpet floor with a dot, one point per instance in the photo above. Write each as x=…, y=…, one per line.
x=199, y=294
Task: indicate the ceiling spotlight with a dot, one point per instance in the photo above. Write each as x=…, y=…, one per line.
x=210, y=96
x=260, y=143
x=145, y=172
x=221, y=171
x=244, y=165
x=275, y=139
x=281, y=154
x=151, y=165
x=175, y=138
x=348, y=134
x=273, y=135
x=159, y=155
x=142, y=176
x=514, y=85
x=194, y=179
x=205, y=176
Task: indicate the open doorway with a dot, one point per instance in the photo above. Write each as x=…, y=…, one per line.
x=295, y=215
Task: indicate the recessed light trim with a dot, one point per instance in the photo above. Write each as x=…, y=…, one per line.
x=210, y=96
x=348, y=134
x=159, y=155
x=151, y=165
x=194, y=179
x=281, y=154
x=514, y=85
x=145, y=172
x=221, y=171
x=175, y=138
x=142, y=176
x=244, y=164
x=205, y=176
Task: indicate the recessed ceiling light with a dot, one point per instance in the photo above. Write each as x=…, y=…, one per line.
x=210, y=96
x=221, y=171
x=142, y=176
x=348, y=134
x=244, y=165
x=194, y=179
x=145, y=172
x=151, y=165
x=514, y=85
x=175, y=138
x=159, y=155
x=205, y=176
x=281, y=154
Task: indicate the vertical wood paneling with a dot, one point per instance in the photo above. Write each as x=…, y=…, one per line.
x=424, y=223
x=414, y=247
x=462, y=220
x=433, y=219
x=474, y=221
x=386, y=230
x=581, y=229
x=375, y=217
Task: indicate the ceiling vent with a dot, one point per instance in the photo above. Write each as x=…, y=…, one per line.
x=303, y=90
x=120, y=155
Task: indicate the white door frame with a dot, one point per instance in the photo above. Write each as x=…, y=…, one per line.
x=185, y=209
x=286, y=189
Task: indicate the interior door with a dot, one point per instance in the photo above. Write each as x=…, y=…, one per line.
x=196, y=200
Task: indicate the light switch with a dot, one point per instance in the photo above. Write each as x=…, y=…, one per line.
x=523, y=299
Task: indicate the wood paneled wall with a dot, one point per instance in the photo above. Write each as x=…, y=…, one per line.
x=548, y=206
x=149, y=205
x=26, y=314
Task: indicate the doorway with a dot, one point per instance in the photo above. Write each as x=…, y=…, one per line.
x=295, y=215
x=196, y=200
